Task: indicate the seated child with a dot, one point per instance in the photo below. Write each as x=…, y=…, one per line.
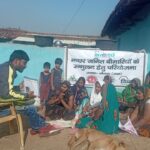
x=95, y=100
x=84, y=101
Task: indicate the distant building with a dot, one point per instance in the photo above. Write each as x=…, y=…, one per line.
x=56, y=40
x=24, y=40
x=129, y=25
x=106, y=44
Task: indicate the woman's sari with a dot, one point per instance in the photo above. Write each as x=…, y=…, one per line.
x=108, y=122
x=129, y=94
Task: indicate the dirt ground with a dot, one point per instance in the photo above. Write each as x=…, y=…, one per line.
x=60, y=140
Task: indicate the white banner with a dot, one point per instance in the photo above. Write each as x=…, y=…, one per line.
x=93, y=64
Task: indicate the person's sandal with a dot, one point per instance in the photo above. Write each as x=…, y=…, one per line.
x=48, y=130
x=34, y=132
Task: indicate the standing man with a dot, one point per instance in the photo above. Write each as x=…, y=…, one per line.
x=17, y=62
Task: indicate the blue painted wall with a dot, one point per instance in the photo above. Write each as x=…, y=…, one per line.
x=137, y=38
x=38, y=55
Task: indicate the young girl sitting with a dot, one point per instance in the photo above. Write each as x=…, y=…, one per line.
x=84, y=102
x=92, y=110
x=96, y=97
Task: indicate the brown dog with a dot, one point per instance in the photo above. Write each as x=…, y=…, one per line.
x=91, y=139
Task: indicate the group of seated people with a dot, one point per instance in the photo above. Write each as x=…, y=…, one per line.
x=100, y=110
x=135, y=103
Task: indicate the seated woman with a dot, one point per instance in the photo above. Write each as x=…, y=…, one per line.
x=129, y=101
x=108, y=122
x=141, y=115
x=61, y=105
x=76, y=90
x=91, y=111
